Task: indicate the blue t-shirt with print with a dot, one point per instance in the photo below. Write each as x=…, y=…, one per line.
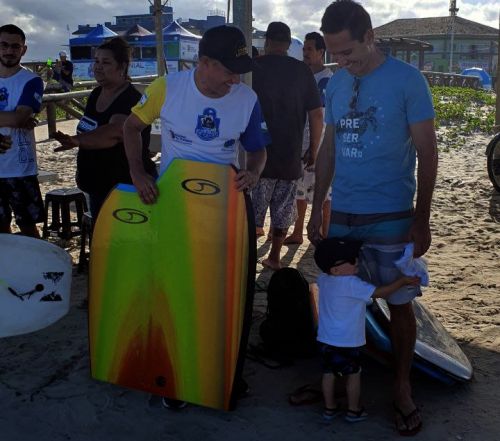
x=374, y=154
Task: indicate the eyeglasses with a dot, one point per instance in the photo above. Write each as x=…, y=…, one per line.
x=355, y=93
x=15, y=46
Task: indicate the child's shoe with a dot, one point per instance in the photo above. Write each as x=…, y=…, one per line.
x=329, y=414
x=355, y=416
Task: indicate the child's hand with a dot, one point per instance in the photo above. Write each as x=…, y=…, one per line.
x=407, y=280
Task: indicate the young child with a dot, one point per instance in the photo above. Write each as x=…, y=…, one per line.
x=341, y=325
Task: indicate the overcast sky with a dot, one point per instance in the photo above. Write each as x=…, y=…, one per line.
x=45, y=21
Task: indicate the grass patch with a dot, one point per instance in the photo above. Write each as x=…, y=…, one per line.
x=461, y=112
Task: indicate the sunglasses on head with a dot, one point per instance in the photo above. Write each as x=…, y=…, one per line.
x=16, y=46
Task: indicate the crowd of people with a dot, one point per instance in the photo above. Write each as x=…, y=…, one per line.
x=345, y=142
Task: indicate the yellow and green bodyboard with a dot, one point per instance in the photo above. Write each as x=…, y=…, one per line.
x=171, y=286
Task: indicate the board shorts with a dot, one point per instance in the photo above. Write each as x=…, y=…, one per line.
x=23, y=197
x=340, y=361
x=279, y=196
x=305, y=187
x=384, y=238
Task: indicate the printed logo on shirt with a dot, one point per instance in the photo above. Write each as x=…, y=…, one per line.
x=207, y=127
x=180, y=138
x=351, y=127
x=4, y=98
x=25, y=150
x=143, y=100
x=38, y=97
x=86, y=124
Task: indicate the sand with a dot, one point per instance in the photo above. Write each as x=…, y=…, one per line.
x=46, y=393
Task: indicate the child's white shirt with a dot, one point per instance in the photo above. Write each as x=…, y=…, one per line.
x=342, y=310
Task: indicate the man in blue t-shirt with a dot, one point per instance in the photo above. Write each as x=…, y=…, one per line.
x=379, y=118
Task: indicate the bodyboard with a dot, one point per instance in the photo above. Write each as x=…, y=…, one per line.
x=35, y=284
x=171, y=286
x=435, y=348
x=437, y=354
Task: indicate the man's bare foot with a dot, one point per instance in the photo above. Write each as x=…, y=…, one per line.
x=271, y=264
x=293, y=239
x=259, y=232
x=408, y=419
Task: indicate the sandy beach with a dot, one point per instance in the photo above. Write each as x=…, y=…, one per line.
x=47, y=394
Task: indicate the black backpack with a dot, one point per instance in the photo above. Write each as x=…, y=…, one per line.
x=288, y=331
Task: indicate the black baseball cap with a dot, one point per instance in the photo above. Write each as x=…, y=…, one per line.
x=279, y=31
x=333, y=251
x=227, y=44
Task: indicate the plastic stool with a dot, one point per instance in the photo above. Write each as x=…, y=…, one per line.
x=86, y=227
x=59, y=201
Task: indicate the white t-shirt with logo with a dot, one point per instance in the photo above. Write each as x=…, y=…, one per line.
x=24, y=88
x=200, y=128
x=342, y=310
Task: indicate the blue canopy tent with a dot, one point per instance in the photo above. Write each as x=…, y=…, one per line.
x=82, y=50
x=483, y=76
x=94, y=37
x=180, y=46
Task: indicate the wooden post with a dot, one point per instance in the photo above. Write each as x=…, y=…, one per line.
x=160, y=57
x=242, y=17
x=51, y=118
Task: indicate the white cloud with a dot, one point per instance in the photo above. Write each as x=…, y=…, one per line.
x=45, y=21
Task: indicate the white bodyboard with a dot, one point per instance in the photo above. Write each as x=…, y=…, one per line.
x=35, y=284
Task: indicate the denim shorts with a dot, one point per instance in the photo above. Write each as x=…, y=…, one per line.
x=340, y=361
x=384, y=239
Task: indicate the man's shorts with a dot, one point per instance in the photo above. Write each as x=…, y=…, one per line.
x=340, y=361
x=279, y=196
x=305, y=187
x=23, y=197
x=384, y=239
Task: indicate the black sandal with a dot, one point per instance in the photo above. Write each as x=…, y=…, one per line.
x=355, y=416
x=330, y=413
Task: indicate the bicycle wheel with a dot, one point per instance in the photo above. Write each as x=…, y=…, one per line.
x=493, y=162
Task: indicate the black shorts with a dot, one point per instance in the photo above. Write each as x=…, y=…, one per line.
x=340, y=361
x=23, y=197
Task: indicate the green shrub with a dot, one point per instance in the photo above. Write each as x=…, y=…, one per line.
x=461, y=112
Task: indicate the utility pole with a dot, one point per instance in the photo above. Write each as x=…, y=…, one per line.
x=160, y=56
x=242, y=17
x=228, y=10
x=453, y=14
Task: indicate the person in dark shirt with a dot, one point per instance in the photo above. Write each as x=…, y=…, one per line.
x=287, y=92
x=101, y=161
x=65, y=72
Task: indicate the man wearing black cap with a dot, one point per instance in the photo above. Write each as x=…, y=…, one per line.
x=206, y=113
x=288, y=94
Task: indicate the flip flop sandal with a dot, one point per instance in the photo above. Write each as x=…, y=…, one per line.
x=305, y=395
x=355, y=416
x=330, y=413
x=406, y=418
